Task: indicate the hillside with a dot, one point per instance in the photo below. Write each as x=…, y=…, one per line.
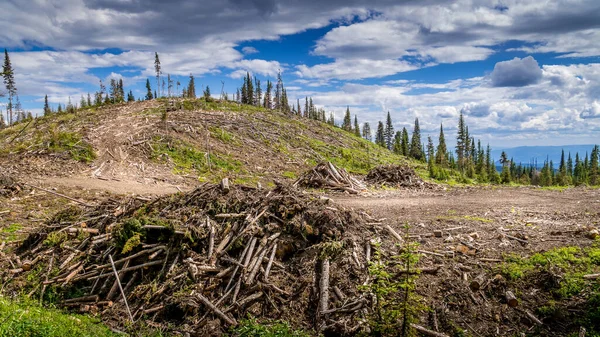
x=140, y=145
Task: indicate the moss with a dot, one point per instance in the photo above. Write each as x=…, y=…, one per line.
x=289, y=175
x=54, y=239
x=253, y=328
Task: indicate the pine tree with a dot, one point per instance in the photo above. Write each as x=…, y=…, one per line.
x=461, y=143
x=268, y=101
x=82, y=102
x=306, y=108
x=593, y=169
x=2, y=122
x=206, y=94
x=331, y=121
x=389, y=131
x=258, y=92
x=278, y=92
x=380, y=135
x=430, y=154
x=130, y=97
x=299, y=109
x=89, y=99
x=440, y=156
x=366, y=132
x=347, y=123
x=570, y=166
x=157, y=70
x=47, y=110
x=9, y=83
x=148, y=90
x=59, y=109
x=405, y=143
x=397, y=147
x=356, y=127
x=415, y=143
x=191, y=90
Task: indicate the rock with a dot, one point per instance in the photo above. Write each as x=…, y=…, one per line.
x=593, y=234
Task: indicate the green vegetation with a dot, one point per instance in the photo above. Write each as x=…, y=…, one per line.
x=10, y=233
x=186, y=158
x=574, y=262
x=29, y=319
x=252, y=328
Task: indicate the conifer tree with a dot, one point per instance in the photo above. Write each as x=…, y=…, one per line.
x=570, y=166
x=158, y=71
x=82, y=102
x=299, y=109
x=2, y=122
x=59, y=109
x=461, y=143
x=397, y=147
x=415, y=142
x=148, y=90
x=440, y=156
x=366, y=132
x=593, y=169
x=47, y=110
x=356, y=127
x=258, y=92
x=206, y=94
x=278, y=92
x=9, y=83
x=430, y=154
x=331, y=119
x=405, y=143
x=170, y=85
x=268, y=101
x=306, y=107
x=89, y=99
x=191, y=90
x=347, y=123
x=389, y=131
x=380, y=135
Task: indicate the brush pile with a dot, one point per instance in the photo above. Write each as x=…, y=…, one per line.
x=199, y=262
x=9, y=187
x=395, y=176
x=328, y=176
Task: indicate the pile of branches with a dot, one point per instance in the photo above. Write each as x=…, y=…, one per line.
x=9, y=187
x=328, y=176
x=395, y=176
x=199, y=262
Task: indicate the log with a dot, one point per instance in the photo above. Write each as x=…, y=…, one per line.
x=427, y=332
x=140, y=266
x=511, y=299
x=582, y=331
x=324, y=287
x=338, y=292
x=120, y=287
x=516, y=239
x=270, y=263
x=211, y=238
x=219, y=313
x=477, y=282
x=59, y=195
x=591, y=276
x=394, y=233
x=533, y=318
x=92, y=298
x=83, y=230
x=225, y=184
x=143, y=252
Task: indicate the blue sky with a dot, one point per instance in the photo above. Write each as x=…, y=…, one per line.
x=522, y=72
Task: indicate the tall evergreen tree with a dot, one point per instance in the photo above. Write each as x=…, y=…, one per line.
x=9, y=83
x=158, y=71
x=461, y=143
x=347, y=123
x=380, y=135
x=416, y=150
x=257, y=92
x=430, y=154
x=130, y=97
x=389, y=131
x=366, y=132
x=593, y=169
x=397, y=147
x=268, y=101
x=440, y=157
x=47, y=110
x=82, y=102
x=278, y=92
x=356, y=127
x=191, y=90
x=148, y=90
x=405, y=143
x=569, y=166
x=89, y=99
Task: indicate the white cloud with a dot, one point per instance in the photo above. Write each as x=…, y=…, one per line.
x=249, y=50
x=354, y=69
x=516, y=72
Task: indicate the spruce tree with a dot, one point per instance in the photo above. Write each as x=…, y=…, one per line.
x=461, y=143
x=82, y=102
x=397, y=147
x=47, y=110
x=9, y=83
x=148, y=90
x=89, y=99
x=405, y=143
x=430, y=155
x=570, y=166
x=356, y=127
x=299, y=108
x=415, y=143
x=366, y=132
x=258, y=92
x=380, y=135
x=206, y=94
x=191, y=90
x=389, y=131
x=440, y=156
x=158, y=71
x=268, y=100
x=593, y=169
x=347, y=123
x=278, y=92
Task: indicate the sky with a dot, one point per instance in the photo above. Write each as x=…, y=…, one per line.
x=521, y=72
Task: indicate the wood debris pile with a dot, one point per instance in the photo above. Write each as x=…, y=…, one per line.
x=395, y=176
x=328, y=176
x=9, y=187
x=199, y=262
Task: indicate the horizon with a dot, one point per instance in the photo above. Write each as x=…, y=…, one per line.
x=523, y=73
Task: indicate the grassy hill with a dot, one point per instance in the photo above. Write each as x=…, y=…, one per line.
x=200, y=140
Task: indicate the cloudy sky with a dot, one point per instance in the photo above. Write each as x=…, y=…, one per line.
x=522, y=72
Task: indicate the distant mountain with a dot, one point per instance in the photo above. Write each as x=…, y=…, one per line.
x=529, y=154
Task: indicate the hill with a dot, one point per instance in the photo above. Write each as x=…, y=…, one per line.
x=531, y=154
x=140, y=143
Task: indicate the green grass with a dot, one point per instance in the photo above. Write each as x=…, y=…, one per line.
x=574, y=262
x=252, y=328
x=10, y=233
x=26, y=319
x=223, y=135
x=185, y=158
